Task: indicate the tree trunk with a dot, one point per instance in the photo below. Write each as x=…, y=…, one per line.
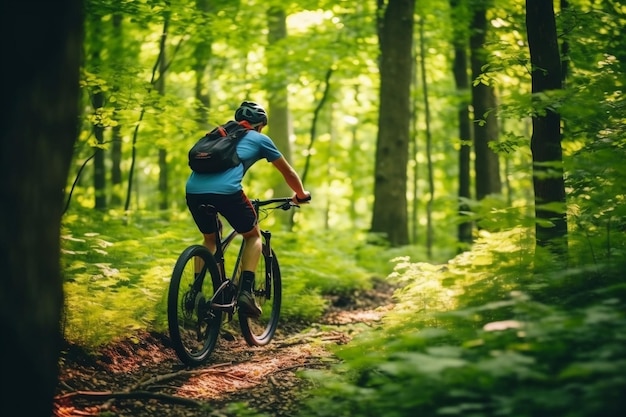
x=429, y=152
x=277, y=92
x=278, y=104
x=117, y=191
x=97, y=103
x=201, y=55
x=565, y=11
x=486, y=164
x=353, y=171
x=396, y=44
x=414, y=147
x=461, y=78
x=99, y=173
x=545, y=144
x=160, y=86
x=37, y=134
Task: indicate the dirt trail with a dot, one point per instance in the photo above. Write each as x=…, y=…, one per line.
x=142, y=377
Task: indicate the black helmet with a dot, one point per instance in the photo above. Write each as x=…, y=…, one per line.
x=252, y=112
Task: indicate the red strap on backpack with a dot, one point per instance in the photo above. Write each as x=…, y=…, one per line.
x=246, y=124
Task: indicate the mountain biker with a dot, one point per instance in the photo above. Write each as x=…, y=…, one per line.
x=225, y=191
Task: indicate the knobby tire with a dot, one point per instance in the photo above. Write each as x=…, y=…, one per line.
x=193, y=326
x=259, y=331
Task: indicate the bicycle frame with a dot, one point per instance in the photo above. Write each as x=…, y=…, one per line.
x=222, y=245
x=200, y=292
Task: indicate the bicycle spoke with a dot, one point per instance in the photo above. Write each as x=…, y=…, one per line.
x=194, y=328
x=196, y=303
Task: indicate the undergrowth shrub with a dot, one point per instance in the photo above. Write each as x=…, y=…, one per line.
x=117, y=271
x=478, y=337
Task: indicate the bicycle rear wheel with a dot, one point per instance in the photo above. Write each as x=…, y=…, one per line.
x=193, y=325
x=258, y=331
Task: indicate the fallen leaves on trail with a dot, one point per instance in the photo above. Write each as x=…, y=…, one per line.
x=356, y=316
x=143, y=377
x=249, y=374
x=65, y=409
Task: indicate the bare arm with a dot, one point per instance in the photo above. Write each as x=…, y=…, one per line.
x=291, y=178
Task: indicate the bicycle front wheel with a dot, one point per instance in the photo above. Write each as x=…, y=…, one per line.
x=193, y=325
x=258, y=331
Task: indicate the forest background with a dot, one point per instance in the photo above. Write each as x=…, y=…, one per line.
x=413, y=125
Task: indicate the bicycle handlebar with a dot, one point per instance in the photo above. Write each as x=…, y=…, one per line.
x=261, y=203
x=286, y=203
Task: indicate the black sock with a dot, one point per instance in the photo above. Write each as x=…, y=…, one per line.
x=247, y=280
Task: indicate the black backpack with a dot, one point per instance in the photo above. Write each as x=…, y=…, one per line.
x=217, y=150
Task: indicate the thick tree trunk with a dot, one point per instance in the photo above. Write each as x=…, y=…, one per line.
x=37, y=133
x=548, y=182
x=465, y=136
x=278, y=103
x=461, y=78
x=486, y=163
x=396, y=44
x=277, y=106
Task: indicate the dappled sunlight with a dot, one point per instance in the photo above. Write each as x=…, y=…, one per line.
x=220, y=380
x=141, y=375
x=357, y=316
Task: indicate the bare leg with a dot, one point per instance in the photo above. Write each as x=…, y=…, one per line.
x=251, y=250
x=249, y=261
x=209, y=242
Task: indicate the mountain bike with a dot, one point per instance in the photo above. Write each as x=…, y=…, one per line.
x=202, y=296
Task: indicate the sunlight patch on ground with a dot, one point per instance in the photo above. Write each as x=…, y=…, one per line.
x=220, y=381
x=357, y=316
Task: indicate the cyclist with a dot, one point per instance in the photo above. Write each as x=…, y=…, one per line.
x=225, y=191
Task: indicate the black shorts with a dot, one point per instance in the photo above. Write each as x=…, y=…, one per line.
x=235, y=208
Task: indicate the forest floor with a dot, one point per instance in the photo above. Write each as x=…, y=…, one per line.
x=142, y=376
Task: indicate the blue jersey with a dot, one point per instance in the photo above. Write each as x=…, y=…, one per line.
x=251, y=148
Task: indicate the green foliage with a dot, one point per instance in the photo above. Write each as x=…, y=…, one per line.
x=499, y=330
x=323, y=256
x=117, y=271
x=484, y=335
